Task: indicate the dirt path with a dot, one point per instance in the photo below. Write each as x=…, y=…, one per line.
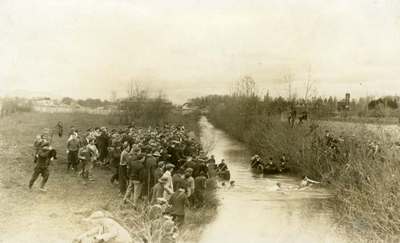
x=52, y=217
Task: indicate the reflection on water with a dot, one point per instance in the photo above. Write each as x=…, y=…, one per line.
x=252, y=211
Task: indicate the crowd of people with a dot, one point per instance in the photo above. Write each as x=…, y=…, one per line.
x=155, y=166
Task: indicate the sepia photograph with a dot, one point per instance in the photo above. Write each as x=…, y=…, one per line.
x=188, y=121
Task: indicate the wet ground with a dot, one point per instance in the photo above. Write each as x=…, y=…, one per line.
x=255, y=211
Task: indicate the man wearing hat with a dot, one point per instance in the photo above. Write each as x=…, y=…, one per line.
x=178, y=178
x=158, y=190
x=135, y=168
x=102, y=142
x=42, y=166
x=84, y=156
x=178, y=202
x=159, y=171
x=150, y=164
x=123, y=168
x=173, y=152
x=189, y=182
x=37, y=144
x=72, y=151
x=115, y=157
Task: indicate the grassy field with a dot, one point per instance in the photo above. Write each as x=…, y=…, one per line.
x=55, y=216
x=58, y=211
x=381, y=132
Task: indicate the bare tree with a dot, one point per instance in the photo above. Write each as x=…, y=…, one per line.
x=308, y=84
x=136, y=90
x=246, y=86
x=288, y=78
x=113, y=96
x=309, y=87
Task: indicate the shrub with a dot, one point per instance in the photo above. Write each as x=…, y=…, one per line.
x=10, y=106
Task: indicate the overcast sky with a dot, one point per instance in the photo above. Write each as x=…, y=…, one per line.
x=189, y=48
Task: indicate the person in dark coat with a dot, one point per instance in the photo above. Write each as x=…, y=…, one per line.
x=158, y=190
x=37, y=144
x=42, y=166
x=60, y=129
x=211, y=160
x=102, y=143
x=84, y=155
x=202, y=168
x=178, y=202
x=150, y=164
x=159, y=171
x=174, y=154
x=135, y=167
x=222, y=166
x=123, y=164
x=199, y=189
x=115, y=158
x=190, y=163
x=178, y=179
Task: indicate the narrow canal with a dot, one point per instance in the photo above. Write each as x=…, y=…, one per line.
x=253, y=211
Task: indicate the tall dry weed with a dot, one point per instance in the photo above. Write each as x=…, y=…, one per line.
x=364, y=184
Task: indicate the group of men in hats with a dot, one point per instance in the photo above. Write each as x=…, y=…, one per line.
x=150, y=164
x=159, y=163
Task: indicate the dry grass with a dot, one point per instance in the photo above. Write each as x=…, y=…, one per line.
x=69, y=198
x=365, y=187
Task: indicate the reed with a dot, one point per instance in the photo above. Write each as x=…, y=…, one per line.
x=365, y=185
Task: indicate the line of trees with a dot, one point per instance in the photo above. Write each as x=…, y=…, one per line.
x=244, y=92
x=142, y=107
x=12, y=105
x=90, y=102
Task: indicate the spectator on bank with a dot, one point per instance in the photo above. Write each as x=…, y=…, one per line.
x=85, y=158
x=115, y=159
x=73, y=145
x=158, y=189
x=179, y=202
x=169, y=187
x=123, y=164
x=199, y=189
x=178, y=179
x=135, y=167
x=189, y=182
x=159, y=171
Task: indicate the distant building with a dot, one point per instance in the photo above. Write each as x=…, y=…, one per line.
x=344, y=104
x=188, y=108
